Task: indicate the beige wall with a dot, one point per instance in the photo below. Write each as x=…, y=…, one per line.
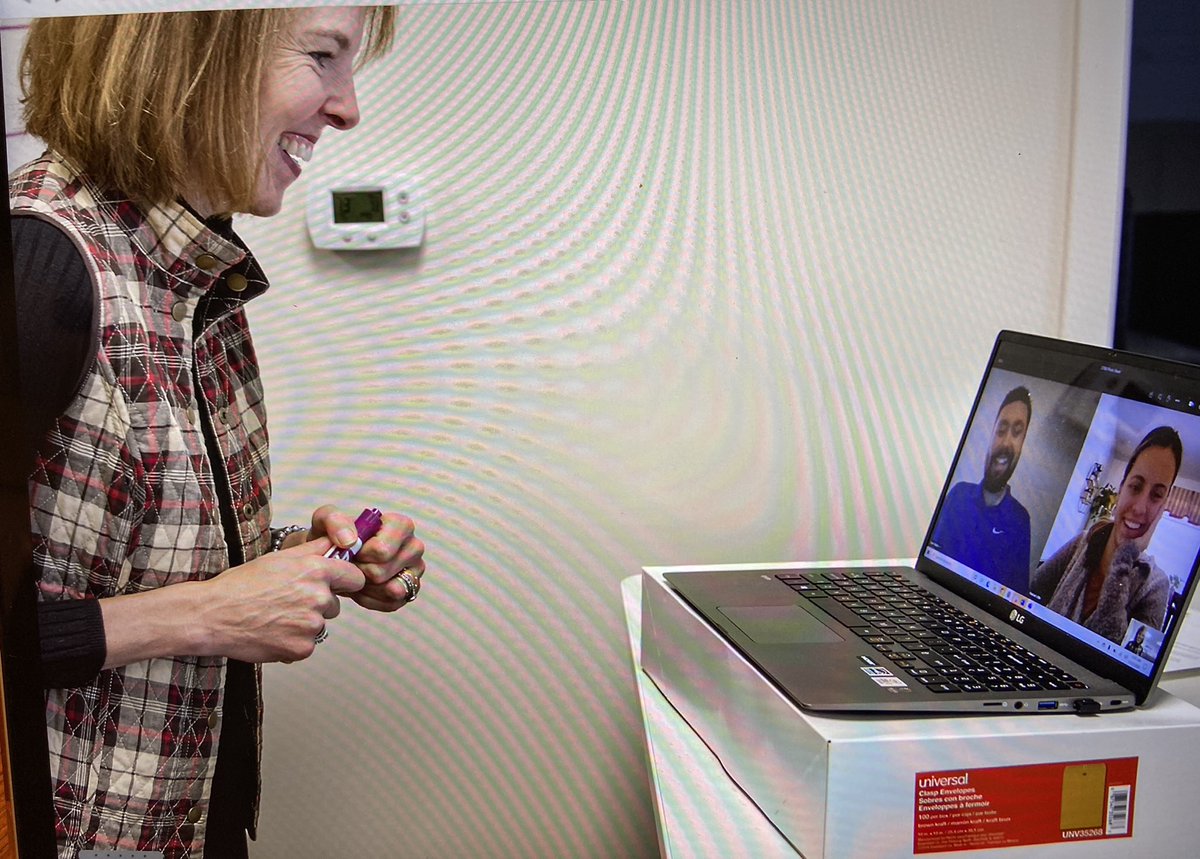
x=704, y=281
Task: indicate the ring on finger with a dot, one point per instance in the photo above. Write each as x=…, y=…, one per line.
x=415, y=575
x=322, y=635
x=411, y=584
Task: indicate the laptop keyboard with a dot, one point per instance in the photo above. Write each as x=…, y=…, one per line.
x=937, y=645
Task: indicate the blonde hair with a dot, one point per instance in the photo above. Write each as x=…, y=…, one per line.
x=149, y=103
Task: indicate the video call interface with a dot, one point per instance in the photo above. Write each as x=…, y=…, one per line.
x=1076, y=498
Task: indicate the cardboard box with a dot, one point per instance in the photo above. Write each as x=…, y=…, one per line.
x=839, y=787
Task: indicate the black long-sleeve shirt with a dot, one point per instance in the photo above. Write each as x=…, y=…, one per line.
x=56, y=338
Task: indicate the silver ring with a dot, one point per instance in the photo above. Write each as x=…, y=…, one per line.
x=322, y=635
x=411, y=584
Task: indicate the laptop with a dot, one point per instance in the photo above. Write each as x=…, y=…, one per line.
x=1055, y=572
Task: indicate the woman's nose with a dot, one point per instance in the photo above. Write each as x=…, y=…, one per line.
x=341, y=109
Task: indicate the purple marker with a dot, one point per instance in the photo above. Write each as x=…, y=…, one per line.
x=367, y=524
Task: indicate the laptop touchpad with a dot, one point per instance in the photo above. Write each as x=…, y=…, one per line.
x=779, y=624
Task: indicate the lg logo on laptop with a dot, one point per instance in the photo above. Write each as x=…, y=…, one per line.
x=1016, y=617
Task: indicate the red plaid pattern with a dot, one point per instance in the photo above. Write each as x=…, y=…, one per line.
x=123, y=499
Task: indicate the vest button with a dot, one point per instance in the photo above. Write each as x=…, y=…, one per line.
x=223, y=416
x=179, y=311
x=213, y=718
x=248, y=509
x=194, y=814
x=207, y=262
x=237, y=282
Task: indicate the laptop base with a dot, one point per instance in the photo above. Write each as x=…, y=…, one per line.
x=811, y=774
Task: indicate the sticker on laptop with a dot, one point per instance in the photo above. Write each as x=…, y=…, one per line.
x=882, y=676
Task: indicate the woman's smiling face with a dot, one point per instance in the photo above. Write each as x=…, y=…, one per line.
x=308, y=85
x=1143, y=496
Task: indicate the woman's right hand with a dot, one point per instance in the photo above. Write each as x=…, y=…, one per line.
x=272, y=608
x=1126, y=560
x=268, y=610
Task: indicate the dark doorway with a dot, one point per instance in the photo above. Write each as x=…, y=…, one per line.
x=1158, y=291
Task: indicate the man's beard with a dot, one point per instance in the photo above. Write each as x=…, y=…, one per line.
x=993, y=481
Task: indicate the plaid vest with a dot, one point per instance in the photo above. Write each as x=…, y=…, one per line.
x=124, y=499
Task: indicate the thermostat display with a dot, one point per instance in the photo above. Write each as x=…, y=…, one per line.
x=357, y=207
x=366, y=213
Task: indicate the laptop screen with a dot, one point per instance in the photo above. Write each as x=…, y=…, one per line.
x=1075, y=495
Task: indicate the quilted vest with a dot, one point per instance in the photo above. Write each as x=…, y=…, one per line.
x=124, y=499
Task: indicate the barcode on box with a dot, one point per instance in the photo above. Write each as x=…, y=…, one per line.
x=1118, y=810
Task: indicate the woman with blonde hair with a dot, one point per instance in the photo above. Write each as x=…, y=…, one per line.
x=162, y=583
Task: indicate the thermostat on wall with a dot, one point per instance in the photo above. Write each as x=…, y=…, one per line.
x=365, y=213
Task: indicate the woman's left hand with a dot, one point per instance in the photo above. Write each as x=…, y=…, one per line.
x=395, y=549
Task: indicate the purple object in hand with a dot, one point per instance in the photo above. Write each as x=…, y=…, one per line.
x=367, y=524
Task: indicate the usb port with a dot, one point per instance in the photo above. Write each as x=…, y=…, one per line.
x=1047, y=705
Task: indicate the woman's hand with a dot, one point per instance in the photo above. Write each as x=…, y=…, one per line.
x=394, y=549
x=1127, y=560
x=268, y=610
x=273, y=608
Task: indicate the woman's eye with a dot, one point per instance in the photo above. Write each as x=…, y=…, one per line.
x=322, y=58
